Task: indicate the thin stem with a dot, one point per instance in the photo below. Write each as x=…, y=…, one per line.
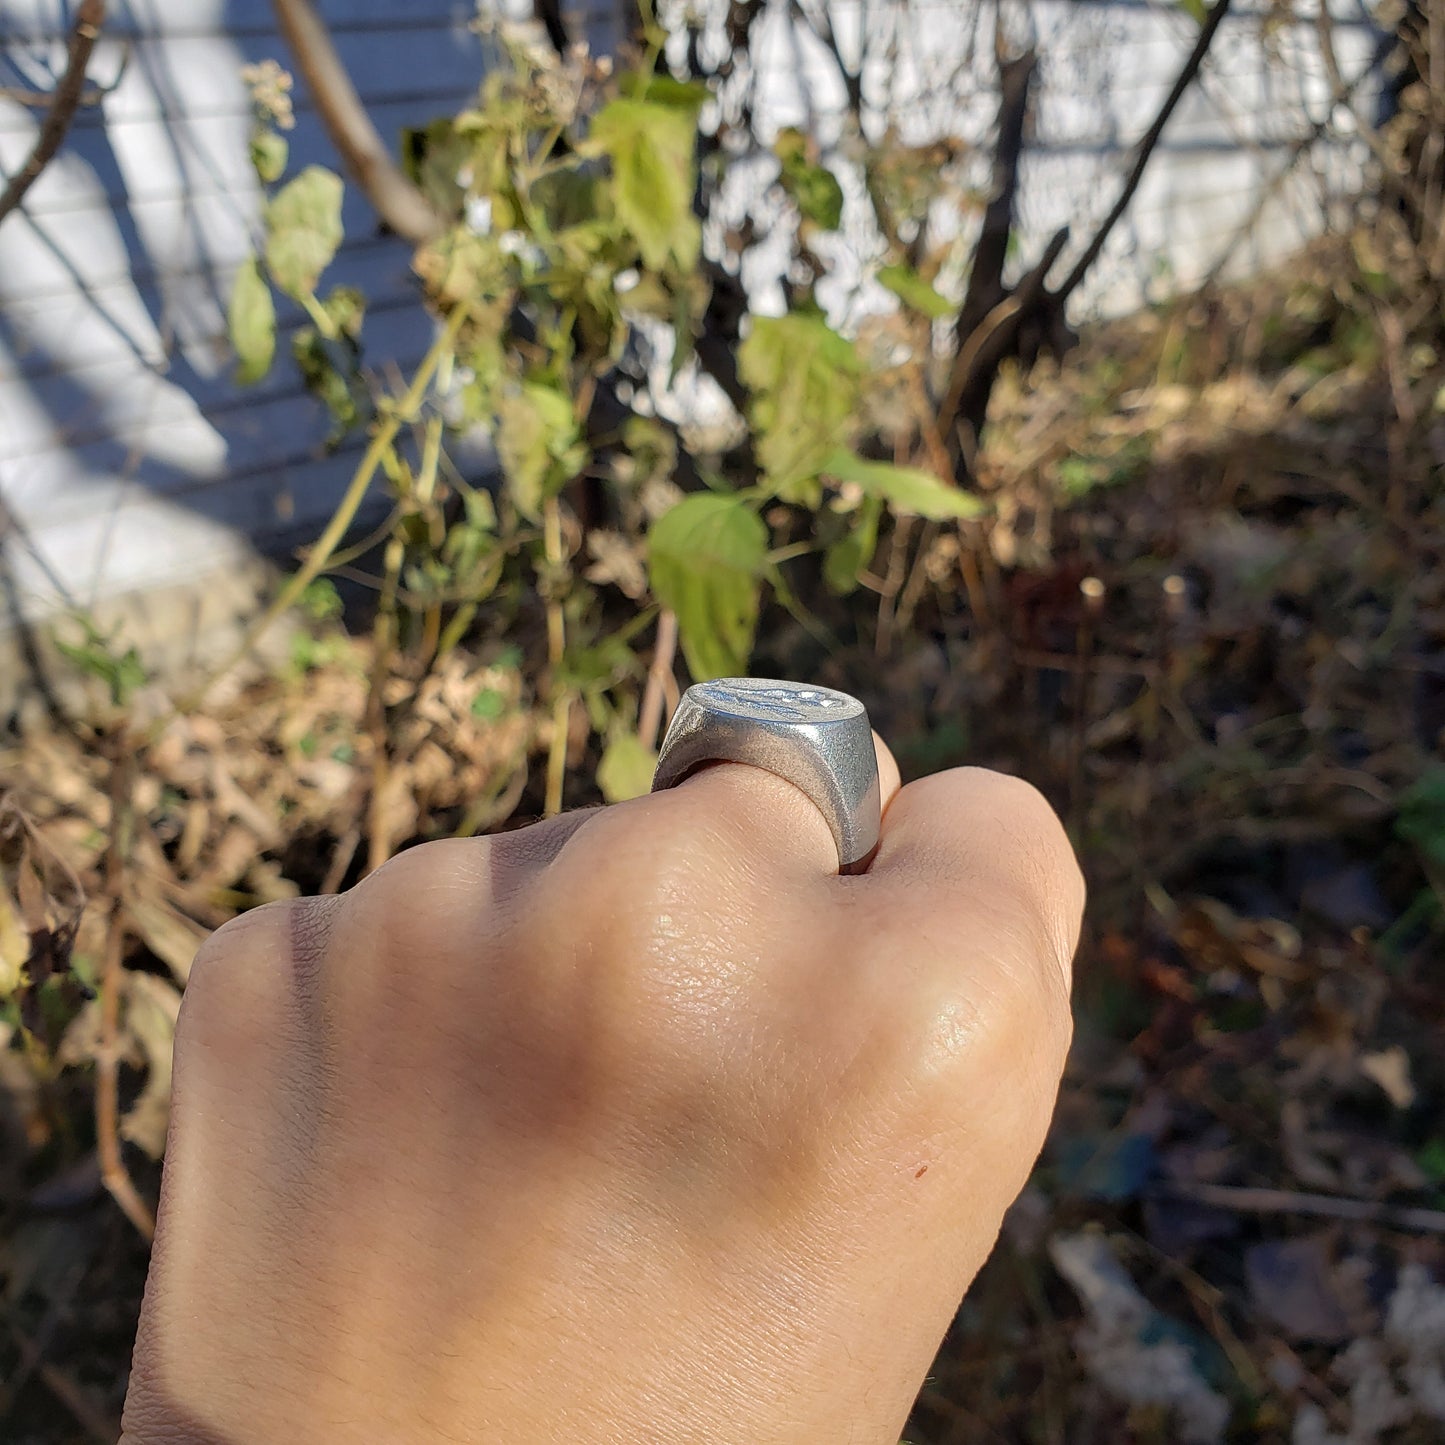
x=378, y=843
x=1147, y=142
x=83, y=35
x=319, y=316
x=425, y=490
x=556, y=650
x=341, y=519
x=664, y=653
x=113, y=1172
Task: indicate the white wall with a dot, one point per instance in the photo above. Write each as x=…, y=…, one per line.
x=128, y=458
x=127, y=455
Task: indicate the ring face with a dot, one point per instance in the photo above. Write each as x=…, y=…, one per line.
x=815, y=737
x=763, y=699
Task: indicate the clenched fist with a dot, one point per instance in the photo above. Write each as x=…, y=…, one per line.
x=638, y=1125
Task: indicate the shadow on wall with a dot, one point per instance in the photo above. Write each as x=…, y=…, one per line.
x=128, y=456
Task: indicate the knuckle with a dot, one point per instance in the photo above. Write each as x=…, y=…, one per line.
x=236, y=979
x=1035, y=866
x=629, y=866
x=1005, y=1009
x=248, y=941
x=424, y=905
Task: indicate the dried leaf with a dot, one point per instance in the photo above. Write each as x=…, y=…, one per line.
x=1292, y=1282
x=152, y=1007
x=169, y=934
x=626, y=768
x=1390, y=1069
x=14, y=948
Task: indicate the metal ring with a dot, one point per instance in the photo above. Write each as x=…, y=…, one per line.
x=816, y=738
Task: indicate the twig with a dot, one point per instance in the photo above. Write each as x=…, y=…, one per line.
x=1245, y=1200
x=1091, y=590
x=892, y=585
x=35, y=99
x=32, y=1347
x=985, y=281
x=556, y=651
x=664, y=651
x=88, y=1416
x=1300, y=147
x=341, y=860
x=988, y=342
x=384, y=630
x=1342, y=95
x=496, y=805
x=912, y=593
x=549, y=13
x=113, y=1172
x=399, y=203
x=1145, y=148
x=53, y=128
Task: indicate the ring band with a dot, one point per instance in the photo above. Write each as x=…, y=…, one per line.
x=816, y=738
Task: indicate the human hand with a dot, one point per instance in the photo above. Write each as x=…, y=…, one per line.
x=640, y=1124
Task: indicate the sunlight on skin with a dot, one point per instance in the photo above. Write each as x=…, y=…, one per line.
x=639, y=1125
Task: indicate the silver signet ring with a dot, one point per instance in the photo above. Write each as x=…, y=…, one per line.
x=816, y=738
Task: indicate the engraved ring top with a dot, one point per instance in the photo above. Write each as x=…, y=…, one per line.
x=816, y=738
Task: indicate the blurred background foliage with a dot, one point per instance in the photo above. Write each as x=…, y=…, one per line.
x=1183, y=571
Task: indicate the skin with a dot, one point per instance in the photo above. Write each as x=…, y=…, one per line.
x=637, y=1125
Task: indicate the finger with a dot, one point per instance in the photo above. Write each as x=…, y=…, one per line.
x=888, y=778
x=974, y=843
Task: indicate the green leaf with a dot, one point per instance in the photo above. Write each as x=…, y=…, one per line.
x=320, y=600
x=1421, y=821
x=489, y=704
x=912, y=290
x=538, y=444
x=251, y=319
x=626, y=768
x=330, y=368
x=1195, y=10
x=652, y=147
x=813, y=188
x=706, y=555
x=303, y=230
x=850, y=554
x=804, y=378
x=269, y=152
x=689, y=95
x=434, y=156
x=346, y=306
x=905, y=489
x=121, y=672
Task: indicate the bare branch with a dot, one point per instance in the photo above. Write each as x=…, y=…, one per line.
x=659, y=676
x=1378, y=56
x=549, y=13
x=53, y=128
x=990, y=342
x=113, y=1172
x=1247, y=1200
x=985, y=281
x=399, y=203
x=1342, y=96
x=43, y=99
x=1147, y=142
